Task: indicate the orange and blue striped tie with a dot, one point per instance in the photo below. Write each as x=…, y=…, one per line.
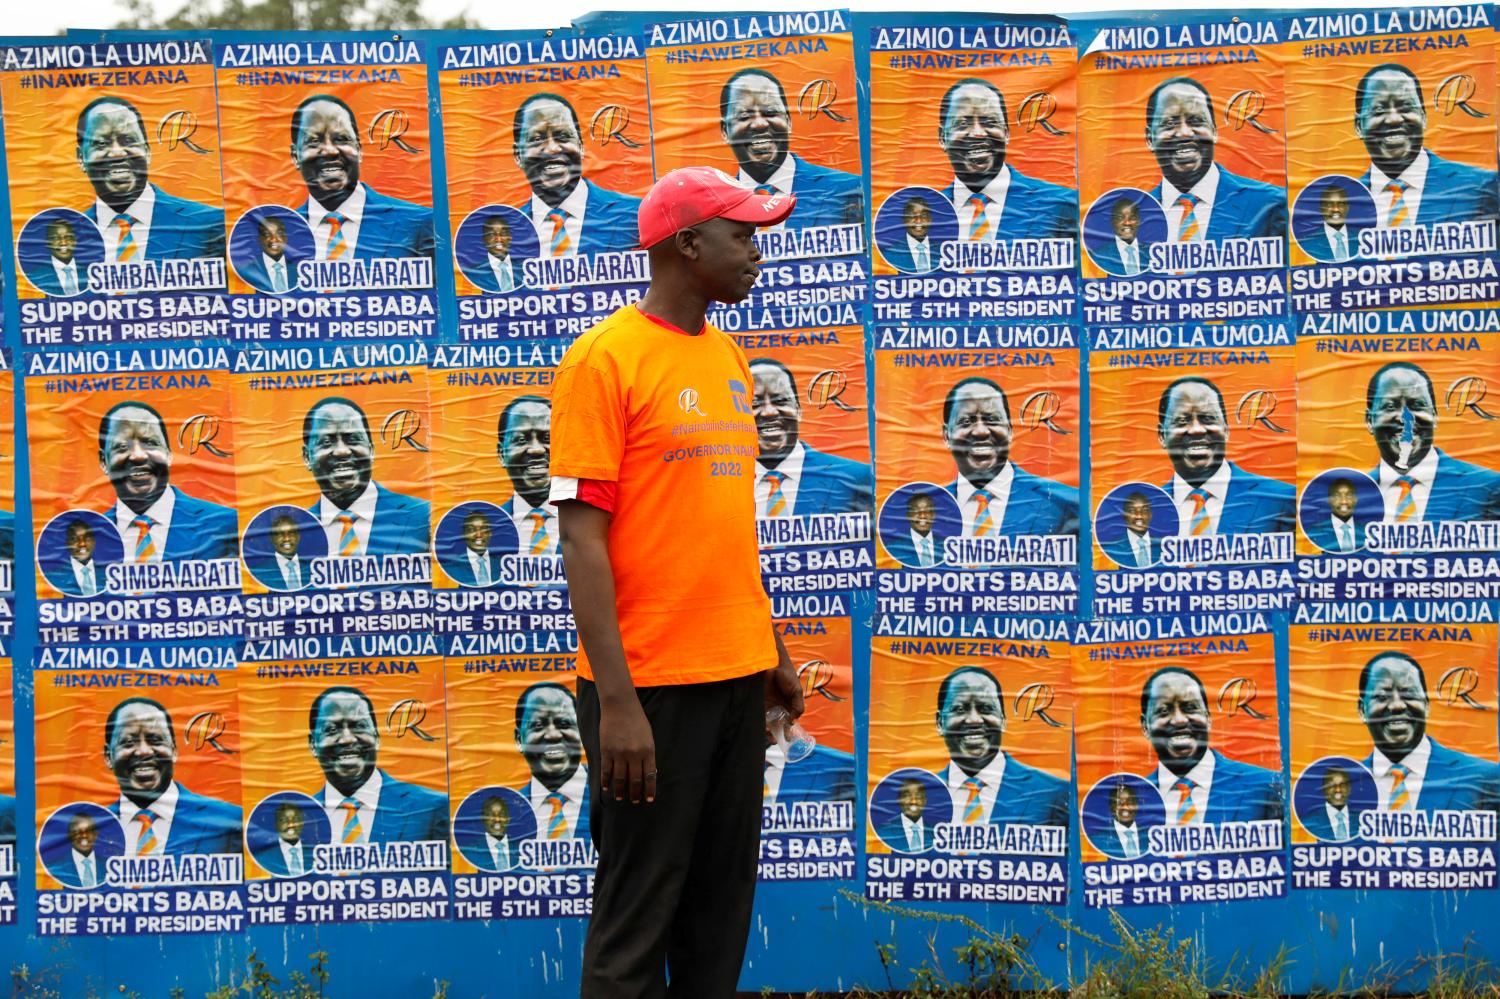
x=776, y=500
x=1400, y=796
x=348, y=540
x=973, y=808
x=540, y=539
x=559, y=241
x=145, y=548
x=1199, y=522
x=337, y=245
x=1406, y=503
x=979, y=225
x=1187, y=229
x=1399, y=214
x=984, y=522
x=353, y=831
x=127, y=247
x=147, y=844
x=557, y=821
x=1186, y=810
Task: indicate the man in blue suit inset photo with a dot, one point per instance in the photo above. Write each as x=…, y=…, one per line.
x=60, y=274
x=571, y=213
x=1335, y=818
x=274, y=268
x=1137, y=547
x=523, y=443
x=84, y=576
x=290, y=856
x=1202, y=199
x=83, y=863
x=359, y=515
x=914, y=252
x=159, y=815
x=548, y=738
x=1212, y=494
x=1337, y=238
x=994, y=200
x=1197, y=783
x=1343, y=530
x=1124, y=254
x=1413, y=771
x=1418, y=481
x=921, y=546
x=137, y=219
x=1412, y=185
x=350, y=220
x=792, y=479
x=494, y=849
x=157, y=521
x=1122, y=837
x=908, y=830
x=754, y=121
x=986, y=783
x=996, y=495
x=364, y=804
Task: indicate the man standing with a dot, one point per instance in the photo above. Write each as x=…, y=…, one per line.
x=1136, y=548
x=548, y=739
x=792, y=479
x=358, y=514
x=523, y=443
x=676, y=669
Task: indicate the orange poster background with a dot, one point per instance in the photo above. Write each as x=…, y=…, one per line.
x=1108, y=729
x=276, y=754
x=1124, y=403
x=1325, y=696
x=685, y=106
x=827, y=428
x=1320, y=138
x=7, y=730
x=479, y=138
x=828, y=721
x=258, y=164
x=42, y=147
x=903, y=711
x=70, y=761
x=8, y=440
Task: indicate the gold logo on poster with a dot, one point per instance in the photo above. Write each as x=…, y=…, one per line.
x=1033, y=701
x=1244, y=108
x=818, y=98
x=1256, y=406
x=816, y=675
x=402, y=427
x=1454, y=94
x=204, y=729
x=1459, y=684
x=826, y=388
x=1239, y=695
x=609, y=124
x=199, y=432
x=406, y=716
x=177, y=129
x=1040, y=410
x=1036, y=111
x=388, y=127
x=1468, y=393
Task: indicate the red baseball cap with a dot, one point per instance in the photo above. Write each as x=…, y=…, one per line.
x=683, y=198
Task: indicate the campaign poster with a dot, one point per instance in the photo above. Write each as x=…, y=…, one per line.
x=1398, y=455
x=969, y=767
x=119, y=230
x=973, y=183
x=1391, y=158
x=1180, y=791
x=7, y=482
x=1395, y=783
x=814, y=489
x=520, y=788
x=547, y=143
x=133, y=462
x=808, y=809
x=771, y=100
x=138, y=814
x=495, y=534
x=1182, y=171
x=327, y=165
x=7, y=792
x=336, y=488
x=1193, y=467
x=345, y=780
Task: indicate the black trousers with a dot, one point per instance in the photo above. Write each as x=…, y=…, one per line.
x=676, y=878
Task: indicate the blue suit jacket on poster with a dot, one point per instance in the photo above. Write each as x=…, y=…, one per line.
x=1454, y=192
x=610, y=221
x=200, y=825
x=1027, y=796
x=1243, y=209
x=268, y=571
x=1455, y=781
x=1460, y=491
x=1316, y=821
x=7, y=534
x=582, y=832
x=831, y=484
x=826, y=775
x=199, y=529
x=57, y=858
x=1036, y=505
x=474, y=852
x=390, y=227
x=1317, y=246
x=899, y=256
x=41, y=274
x=405, y=813
x=825, y=196
x=7, y=820
x=1107, y=841
x=1107, y=256
x=1240, y=792
x=271, y=859
x=180, y=229
x=254, y=270
x=1321, y=534
x=459, y=568
x=904, y=551
x=402, y=524
x=1255, y=504
x=893, y=834
x=1120, y=550
x=1034, y=209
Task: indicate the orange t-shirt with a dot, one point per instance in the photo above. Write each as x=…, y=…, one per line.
x=666, y=417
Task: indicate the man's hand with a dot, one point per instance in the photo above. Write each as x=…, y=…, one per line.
x=629, y=753
x=783, y=687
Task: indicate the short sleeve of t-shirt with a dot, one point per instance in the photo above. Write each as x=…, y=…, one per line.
x=588, y=422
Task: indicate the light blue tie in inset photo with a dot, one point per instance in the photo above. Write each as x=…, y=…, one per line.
x=278, y=275
x=1340, y=826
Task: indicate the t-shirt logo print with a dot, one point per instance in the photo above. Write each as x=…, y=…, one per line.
x=687, y=401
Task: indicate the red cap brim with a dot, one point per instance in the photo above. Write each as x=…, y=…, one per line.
x=762, y=209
